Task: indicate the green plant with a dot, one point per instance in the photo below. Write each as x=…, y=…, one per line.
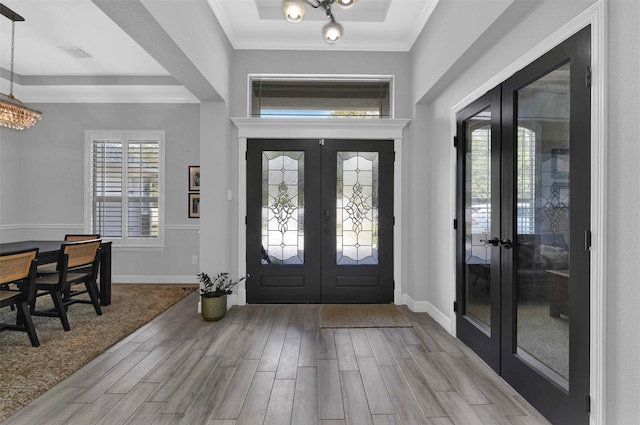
x=220, y=285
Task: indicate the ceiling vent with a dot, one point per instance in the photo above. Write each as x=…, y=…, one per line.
x=77, y=52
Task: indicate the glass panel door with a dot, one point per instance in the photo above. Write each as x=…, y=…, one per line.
x=523, y=211
x=357, y=261
x=478, y=252
x=320, y=221
x=283, y=212
x=546, y=211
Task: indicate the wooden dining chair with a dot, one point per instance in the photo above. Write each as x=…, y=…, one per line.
x=77, y=264
x=52, y=267
x=19, y=267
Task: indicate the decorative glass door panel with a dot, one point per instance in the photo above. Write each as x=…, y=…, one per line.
x=283, y=207
x=357, y=208
x=319, y=221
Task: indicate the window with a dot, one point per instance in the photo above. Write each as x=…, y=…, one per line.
x=526, y=190
x=481, y=188
x=313, y=98
x=125, y=187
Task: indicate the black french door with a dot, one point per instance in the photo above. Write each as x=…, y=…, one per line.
x=478, y=250
x=523, y=250
x=320, y=221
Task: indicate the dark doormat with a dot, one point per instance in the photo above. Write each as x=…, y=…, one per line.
x=362, y=316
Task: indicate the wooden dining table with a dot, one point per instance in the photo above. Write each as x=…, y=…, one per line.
x=48, y=252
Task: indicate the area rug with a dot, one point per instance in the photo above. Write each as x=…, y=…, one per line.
x=26, y=372
x=362, y=316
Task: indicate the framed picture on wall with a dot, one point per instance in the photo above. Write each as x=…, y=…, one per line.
x=194, y=177
x=194, y=205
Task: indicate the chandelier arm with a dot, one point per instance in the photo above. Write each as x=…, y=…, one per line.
x=326, y=4
x=314, y=5
x=13, y=38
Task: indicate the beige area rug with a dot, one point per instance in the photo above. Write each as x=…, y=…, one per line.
x=362, y=316
x=26, y=372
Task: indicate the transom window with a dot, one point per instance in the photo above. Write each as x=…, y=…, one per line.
x=125, y=187
x=338, y=98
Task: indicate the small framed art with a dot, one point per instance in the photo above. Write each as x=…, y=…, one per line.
x=194, y=177
x=194, y=205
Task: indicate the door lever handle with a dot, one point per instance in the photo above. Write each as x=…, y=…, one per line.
x=494, y=242
x=506, y=243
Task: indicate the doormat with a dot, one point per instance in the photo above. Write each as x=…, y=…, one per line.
x=362, y=316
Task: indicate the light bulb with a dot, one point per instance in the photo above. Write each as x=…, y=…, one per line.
x=332, y=32
x=345, y=4
x=293, y=10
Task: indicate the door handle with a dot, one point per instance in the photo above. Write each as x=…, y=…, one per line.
x=494, y=241
x=506, y=243
x=327, y=214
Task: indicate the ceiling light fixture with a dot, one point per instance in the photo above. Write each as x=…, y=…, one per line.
x=13, y=113
x=332, y=32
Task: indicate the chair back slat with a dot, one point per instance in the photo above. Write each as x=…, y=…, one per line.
x=81, y=253
x=78, y=238
x=16, y=266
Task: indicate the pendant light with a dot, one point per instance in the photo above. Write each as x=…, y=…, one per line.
x=294, y=10
x=13, y=113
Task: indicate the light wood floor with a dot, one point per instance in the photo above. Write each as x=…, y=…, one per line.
x=272, y=364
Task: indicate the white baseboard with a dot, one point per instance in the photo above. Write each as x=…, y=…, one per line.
x=426, y=307
x=154, y=279
x=397, y=296
x=241, y=297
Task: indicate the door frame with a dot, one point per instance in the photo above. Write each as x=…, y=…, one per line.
x=596, y=16
x=315, y=129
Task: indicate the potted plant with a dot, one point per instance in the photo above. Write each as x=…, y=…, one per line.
x=213, y=294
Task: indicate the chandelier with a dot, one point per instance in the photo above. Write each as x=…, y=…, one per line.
x=13, y=113
x=332, y=32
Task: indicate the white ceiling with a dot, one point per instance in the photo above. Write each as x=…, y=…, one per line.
x=369, y=25
x=119, y=69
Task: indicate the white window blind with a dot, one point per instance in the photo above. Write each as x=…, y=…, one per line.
x=317, y=98
x=126, y=187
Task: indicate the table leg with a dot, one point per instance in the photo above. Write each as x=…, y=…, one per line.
x=105, y=274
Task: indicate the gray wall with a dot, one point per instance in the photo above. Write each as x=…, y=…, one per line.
x=318, y=62
x=623, y=258
x=42, y=172
x=247, y=62
x=431, y=150
x=429, y=160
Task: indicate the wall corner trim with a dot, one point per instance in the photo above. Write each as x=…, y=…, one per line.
x=426, y=307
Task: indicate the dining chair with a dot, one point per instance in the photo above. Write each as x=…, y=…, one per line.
x=52, y=267
x=77, y=264
x=19, y=267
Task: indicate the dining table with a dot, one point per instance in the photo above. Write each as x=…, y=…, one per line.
x=49, y=251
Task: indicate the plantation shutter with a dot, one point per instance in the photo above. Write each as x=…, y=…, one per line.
x=142, y=185
x=107, y=187
x=125, y=180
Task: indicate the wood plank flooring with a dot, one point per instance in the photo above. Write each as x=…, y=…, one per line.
x=273, y=365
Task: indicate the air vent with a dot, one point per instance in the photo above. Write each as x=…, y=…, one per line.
x=77, y=52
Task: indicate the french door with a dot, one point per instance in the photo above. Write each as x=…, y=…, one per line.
x=319, y=221
x=523, y=243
